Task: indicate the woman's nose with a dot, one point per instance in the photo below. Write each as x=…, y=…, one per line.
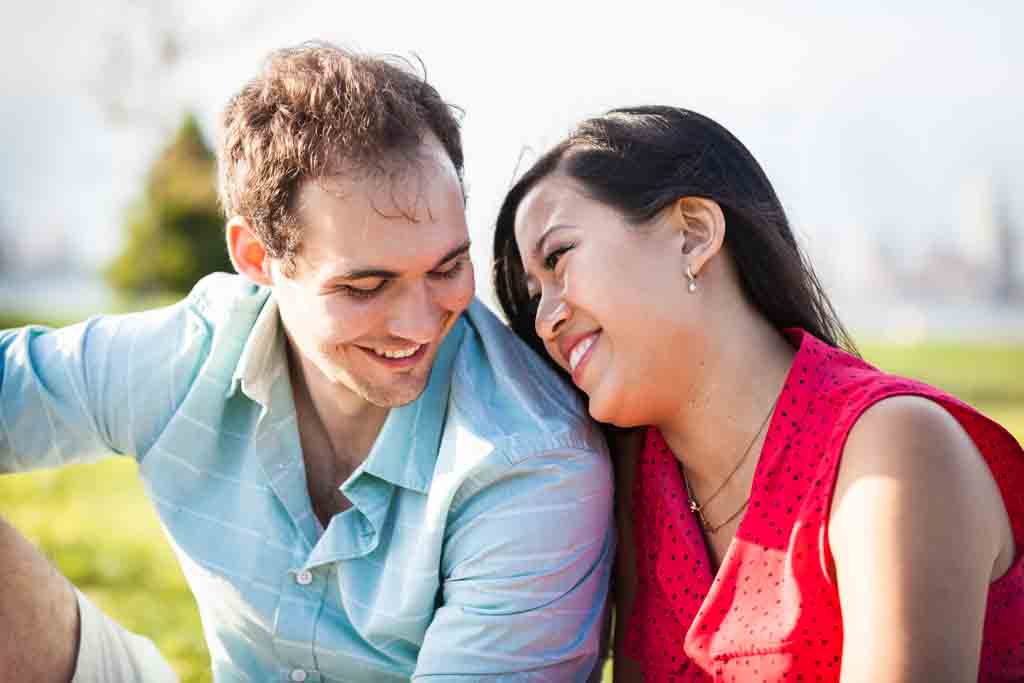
x=551, y=316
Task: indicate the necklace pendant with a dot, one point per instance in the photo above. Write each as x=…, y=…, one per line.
x=696, y=510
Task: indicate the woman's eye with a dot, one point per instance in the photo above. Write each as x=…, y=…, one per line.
x=551, y=260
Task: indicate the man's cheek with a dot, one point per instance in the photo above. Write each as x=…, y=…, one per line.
x=464, y=295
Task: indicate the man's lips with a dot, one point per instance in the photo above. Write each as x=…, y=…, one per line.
x=397, y=363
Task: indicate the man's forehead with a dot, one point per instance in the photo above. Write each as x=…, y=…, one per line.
x=385, y=256
x=401, y=226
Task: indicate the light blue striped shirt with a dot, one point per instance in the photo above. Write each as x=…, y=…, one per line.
x=479, y=541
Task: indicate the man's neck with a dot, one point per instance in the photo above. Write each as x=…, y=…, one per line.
x=340, y=424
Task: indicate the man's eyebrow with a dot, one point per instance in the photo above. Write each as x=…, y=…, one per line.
x=386, y=274
x=454, y=253
x=538, y=247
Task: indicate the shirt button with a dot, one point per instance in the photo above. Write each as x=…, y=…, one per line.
x=303, y=578
x=298, y=675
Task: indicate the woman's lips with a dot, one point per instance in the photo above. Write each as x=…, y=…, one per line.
x=580, y=353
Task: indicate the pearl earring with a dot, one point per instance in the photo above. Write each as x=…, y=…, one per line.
x=691, y=286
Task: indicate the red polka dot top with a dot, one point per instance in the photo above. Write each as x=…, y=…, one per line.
x=771, y=613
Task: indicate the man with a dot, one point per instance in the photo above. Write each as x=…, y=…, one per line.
x=366, y=477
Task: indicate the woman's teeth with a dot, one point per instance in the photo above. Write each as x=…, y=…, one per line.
x=578, y=351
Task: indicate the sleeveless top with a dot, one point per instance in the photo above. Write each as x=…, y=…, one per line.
x=772, y=610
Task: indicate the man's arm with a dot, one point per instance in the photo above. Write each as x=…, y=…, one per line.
x=525, y=573
x=101, y=386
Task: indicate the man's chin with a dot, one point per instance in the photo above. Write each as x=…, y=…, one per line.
x=393, y=401
x=383, y=389
x=394, y=396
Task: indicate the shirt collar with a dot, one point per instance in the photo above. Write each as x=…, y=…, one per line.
x=263, y=358
x=405, y=451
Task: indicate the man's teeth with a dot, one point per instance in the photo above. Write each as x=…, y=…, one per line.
x=577, y=351
x=397, y=354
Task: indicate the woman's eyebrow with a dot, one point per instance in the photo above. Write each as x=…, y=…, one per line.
x=538, y=248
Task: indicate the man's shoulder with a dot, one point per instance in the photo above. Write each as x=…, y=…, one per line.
x=218, y=313
x=505, y=395
x=220, y=297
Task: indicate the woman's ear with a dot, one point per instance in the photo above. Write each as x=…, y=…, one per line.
x=701, y=226
x=248, y=255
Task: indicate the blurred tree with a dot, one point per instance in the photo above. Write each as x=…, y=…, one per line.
x=175, y=231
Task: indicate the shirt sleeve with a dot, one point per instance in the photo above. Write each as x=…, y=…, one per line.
x=525, y=572
x=105, y=385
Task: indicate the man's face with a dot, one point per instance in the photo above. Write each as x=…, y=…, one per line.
x=381, y=277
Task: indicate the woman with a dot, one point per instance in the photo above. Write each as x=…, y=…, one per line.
x=786, y=511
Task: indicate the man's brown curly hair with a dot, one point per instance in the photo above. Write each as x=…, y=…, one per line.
x=314, y=109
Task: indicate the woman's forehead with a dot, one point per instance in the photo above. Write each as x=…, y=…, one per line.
x=553, y=199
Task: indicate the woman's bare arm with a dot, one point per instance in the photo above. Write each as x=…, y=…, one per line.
x=917, y=531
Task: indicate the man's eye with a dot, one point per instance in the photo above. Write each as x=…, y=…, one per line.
x=551, y=260
x=450, y=270
x=360, y=292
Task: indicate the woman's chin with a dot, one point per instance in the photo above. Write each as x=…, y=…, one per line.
x=605, y=411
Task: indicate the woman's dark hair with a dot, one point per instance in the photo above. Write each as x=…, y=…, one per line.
x=639, y=160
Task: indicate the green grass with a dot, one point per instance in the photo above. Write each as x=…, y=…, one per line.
x=989, y=377
x=974, y=373
x=94, y=522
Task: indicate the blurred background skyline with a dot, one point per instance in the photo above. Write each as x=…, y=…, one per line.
x=892, y=134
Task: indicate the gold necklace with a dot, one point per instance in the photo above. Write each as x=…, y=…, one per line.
x=698, y=508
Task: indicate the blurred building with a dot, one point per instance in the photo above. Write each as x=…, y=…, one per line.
x=846, y=259
x=975, y=216
x=988, y=244
x=1007, y=286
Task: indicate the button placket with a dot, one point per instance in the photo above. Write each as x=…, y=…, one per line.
x=302, y=595
x=288, y=675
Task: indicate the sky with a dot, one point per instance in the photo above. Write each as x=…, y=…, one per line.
x=869, y=117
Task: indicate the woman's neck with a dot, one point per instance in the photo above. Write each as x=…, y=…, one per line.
x=733, y=393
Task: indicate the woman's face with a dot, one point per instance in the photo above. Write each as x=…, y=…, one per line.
x=612, y=307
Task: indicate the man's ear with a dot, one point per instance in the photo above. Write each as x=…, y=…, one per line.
x=248, y=255
x=701, y=226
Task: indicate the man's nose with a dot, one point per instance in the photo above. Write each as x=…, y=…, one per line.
x=417, y=315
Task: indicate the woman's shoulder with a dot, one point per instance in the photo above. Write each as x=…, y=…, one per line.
x=909, y=472
x=910, y=434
